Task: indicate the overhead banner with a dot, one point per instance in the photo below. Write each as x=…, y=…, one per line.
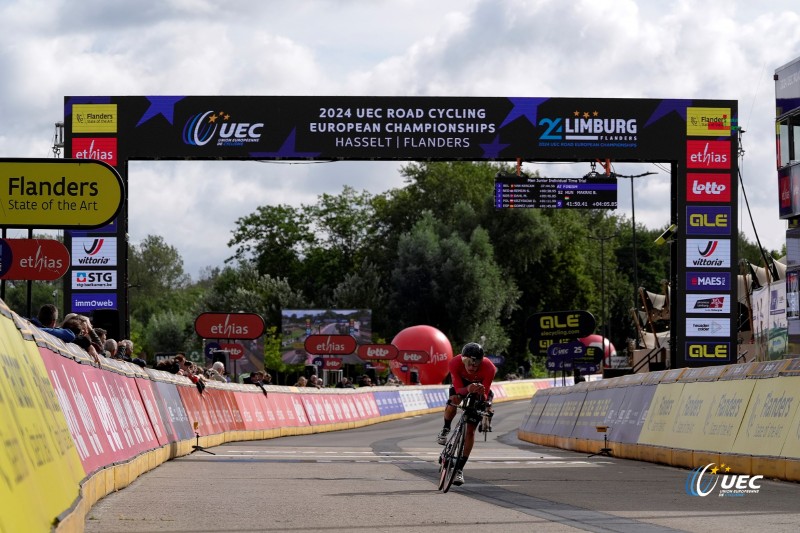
x=695, y=137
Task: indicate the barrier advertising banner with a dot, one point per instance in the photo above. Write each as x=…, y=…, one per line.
x=40, y=469
x=661, y=416
x=769, y=416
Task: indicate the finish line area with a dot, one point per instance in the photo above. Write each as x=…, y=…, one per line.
x=382, y=478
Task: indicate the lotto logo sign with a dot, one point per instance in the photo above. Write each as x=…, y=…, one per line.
x=708, y=187
x=708, y=220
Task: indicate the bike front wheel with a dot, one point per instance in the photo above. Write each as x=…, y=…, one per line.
x=448, y=474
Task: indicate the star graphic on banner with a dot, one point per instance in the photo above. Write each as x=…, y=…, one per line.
x=492, y=150
x=523, y=107
x=287, y=150
x=160, y=105
x=668, y=106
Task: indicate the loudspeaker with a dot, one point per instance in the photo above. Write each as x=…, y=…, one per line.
x=108, y=319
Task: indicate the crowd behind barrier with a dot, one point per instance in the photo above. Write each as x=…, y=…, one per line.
x=75, y=428
x=744, y=416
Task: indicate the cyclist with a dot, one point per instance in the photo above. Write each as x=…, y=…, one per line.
x=471, y=375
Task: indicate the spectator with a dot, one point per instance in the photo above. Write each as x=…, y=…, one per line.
x=314, y=381
x=217, y=372
x=102, y=335
x=344, y=383
x=365, y=381
x=78, y=328
x=301, y=382
x=127, y=354
x=257, y=378
x=46, y=320
x=110, y=348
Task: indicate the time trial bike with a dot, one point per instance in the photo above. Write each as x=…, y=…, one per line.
x=453, y=450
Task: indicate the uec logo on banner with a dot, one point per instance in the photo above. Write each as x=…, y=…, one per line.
x=698, y=484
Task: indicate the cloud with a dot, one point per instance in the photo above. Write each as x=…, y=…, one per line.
x=588, y=48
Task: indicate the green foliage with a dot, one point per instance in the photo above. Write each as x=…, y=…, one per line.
x=243, y=289
x=272, y=351
x=435, y=251
x=156, y=278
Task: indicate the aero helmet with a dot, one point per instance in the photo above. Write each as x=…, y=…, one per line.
x=473, y=350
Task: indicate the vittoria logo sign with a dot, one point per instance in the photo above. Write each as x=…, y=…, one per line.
x=708, y=253
x=94, y=251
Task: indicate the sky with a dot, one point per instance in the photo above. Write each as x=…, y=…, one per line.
x=685, y=49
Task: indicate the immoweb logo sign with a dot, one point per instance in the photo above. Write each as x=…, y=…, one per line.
x=703, y=480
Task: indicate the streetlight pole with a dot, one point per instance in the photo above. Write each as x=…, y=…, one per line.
x=633, y=230
x=604, y=330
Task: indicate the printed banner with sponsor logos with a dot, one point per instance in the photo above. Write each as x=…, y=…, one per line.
x=696, y=136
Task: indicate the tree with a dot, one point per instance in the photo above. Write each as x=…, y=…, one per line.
x=156, y=277
x=275, y=239
x=449, y=283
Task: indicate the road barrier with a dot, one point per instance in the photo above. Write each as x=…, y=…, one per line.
x=743, y=416
x=74, y=431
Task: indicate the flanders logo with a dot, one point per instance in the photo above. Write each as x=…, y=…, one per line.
x=94, y=118
x=708, y=121
x=703, y=480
